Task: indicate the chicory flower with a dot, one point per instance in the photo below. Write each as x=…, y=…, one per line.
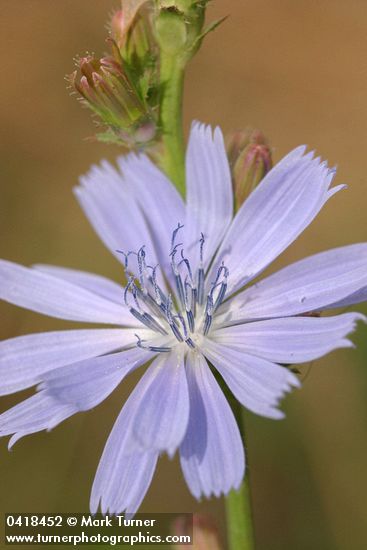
x=189, y=308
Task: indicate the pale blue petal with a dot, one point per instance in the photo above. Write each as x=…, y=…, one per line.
x=82, y=383
x=290, y=339
x=212, y=456
x=24, y=359
x=209, y=192
x=68, y=390
x=132, y=483
x=95, y=283
x=276, y=212
x=257, y=383
x=355, y=298
x=159, y=200
x=39, y=412
x=335, y=276
x=56, y=297
x=159, y=407
x=114, y=213
x=161, y=404
x=123, y=477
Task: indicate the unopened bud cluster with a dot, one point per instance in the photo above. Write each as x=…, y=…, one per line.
x=126, y=88
x=121, y=87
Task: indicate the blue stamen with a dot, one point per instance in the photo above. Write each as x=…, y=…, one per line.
x=159, y=296
x=149, y=320
x=183, y=324
x=200, y=291
x=174, y=234
x=129, y=283
x=220, y=297
x=188, y=295
x=208, y=315
x=126, y=256
x=178, y=280
x=138, y=316
x=202, y=241
x=187, y=339
x=176, y=332
x=171, y=321
x=172, y=255
x=142, y=268
x=223, y=286
x=151, y=348
x=190, y=320
x=150, y=302
x=221, y=268
x=190, y=343
x=194, y=297
x=134, y=291
x=144, y=317
x=180, y=289
x=201, y=274
x=188, y=305
x=187, y=263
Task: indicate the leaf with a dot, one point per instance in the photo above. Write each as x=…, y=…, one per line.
x=211, y=27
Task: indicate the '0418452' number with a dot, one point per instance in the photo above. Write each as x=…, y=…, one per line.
x=33, y=521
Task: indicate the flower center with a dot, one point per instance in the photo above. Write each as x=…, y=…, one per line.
x=183, y=318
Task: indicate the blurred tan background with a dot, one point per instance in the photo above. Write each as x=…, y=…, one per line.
x=296, y=70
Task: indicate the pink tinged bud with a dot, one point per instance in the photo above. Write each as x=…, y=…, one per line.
x=123, y=19
x=112, y=66
x=101, y=86
x=236, y=142
x=89, y=96
x=98, y=80
x=84, y=88
x=88, y=65
x=118, y=26
x=109, y=100
x=205, y=535
x=250, y=157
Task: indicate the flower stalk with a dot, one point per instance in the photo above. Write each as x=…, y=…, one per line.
x=178, y=31
x=239, y=518
x=172, y=158
x=238, y=506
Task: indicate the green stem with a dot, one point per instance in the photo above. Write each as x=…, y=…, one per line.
x=173, y=157
x=240, y=531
